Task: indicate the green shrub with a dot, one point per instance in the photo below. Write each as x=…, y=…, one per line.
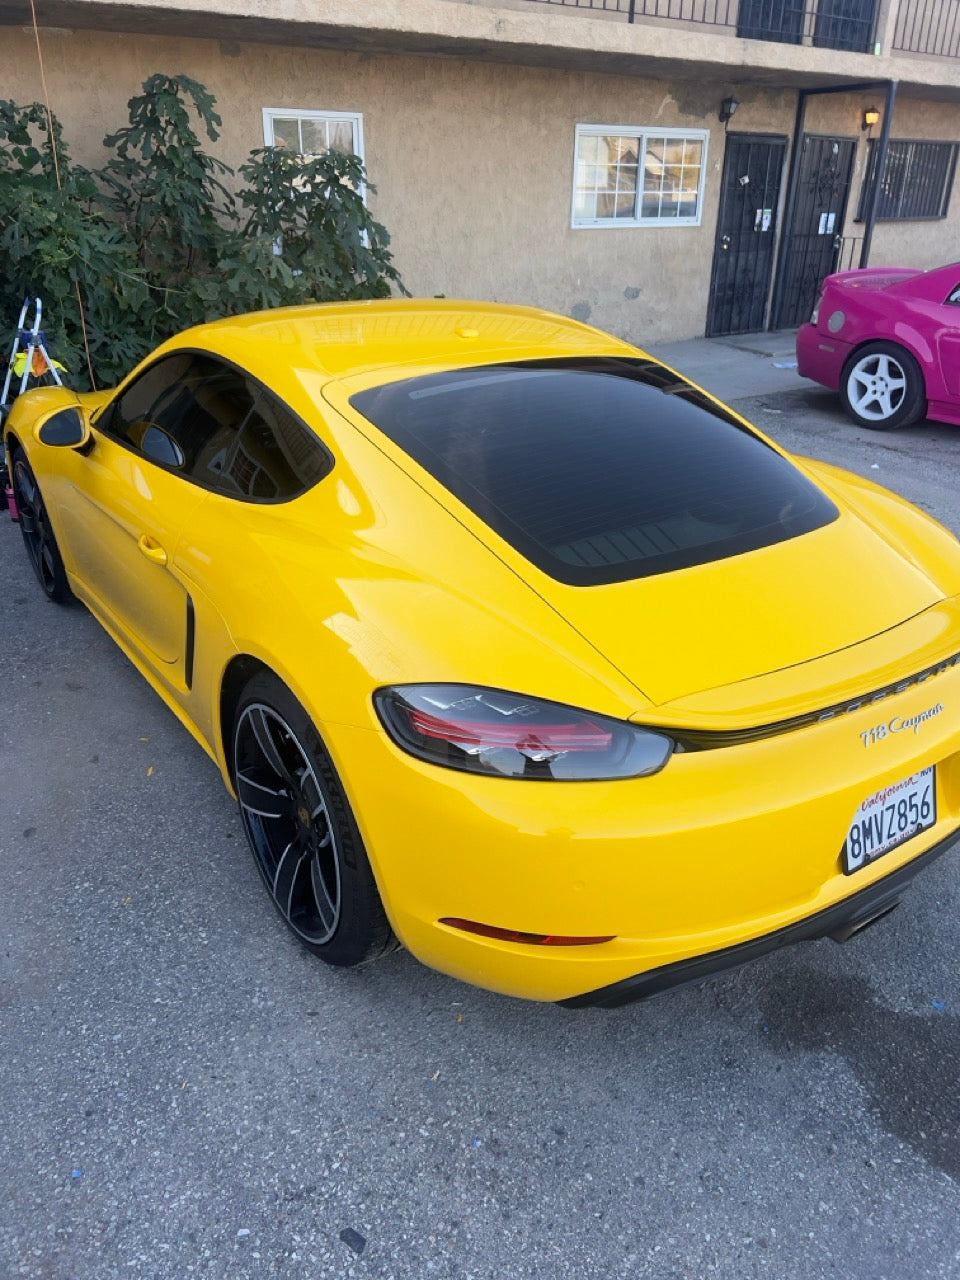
x=167, y=192
x=157, y=240
x=53, y=240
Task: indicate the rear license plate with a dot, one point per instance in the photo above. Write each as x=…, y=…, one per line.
x=889, y=818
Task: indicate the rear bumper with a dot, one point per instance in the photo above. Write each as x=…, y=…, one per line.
x=839, y=922
x=688, y=870
x=820, y=356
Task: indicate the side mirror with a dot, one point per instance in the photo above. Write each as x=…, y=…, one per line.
x=66, y=428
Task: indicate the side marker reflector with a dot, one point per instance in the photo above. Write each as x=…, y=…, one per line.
x=514, y=935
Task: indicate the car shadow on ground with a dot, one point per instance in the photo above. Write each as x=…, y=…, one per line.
x=903, y=1059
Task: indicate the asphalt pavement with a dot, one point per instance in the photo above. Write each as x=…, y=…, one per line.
x=739, y=366
x=187, y=1093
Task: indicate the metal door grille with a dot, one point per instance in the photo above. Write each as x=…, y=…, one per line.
x=815, y=245
x=746, y=234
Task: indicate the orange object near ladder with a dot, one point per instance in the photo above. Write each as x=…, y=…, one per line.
x=29, y=357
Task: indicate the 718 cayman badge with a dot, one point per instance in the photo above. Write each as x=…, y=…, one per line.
x=898, y=724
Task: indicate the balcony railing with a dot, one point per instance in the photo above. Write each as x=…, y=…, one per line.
x=928, y=26
x=922, y=26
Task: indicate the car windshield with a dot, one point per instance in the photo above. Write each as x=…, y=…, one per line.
x=598, y=470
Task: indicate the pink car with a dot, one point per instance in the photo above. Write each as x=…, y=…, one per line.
x=888, y=339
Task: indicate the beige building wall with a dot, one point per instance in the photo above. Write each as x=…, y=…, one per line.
x=922, y=244
x=474, y=160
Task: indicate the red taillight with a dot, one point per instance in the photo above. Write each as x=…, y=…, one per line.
x=510, y=735
x=530, y=939
x=546, y=738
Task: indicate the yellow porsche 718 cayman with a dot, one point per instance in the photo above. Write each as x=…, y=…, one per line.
x=512, y=644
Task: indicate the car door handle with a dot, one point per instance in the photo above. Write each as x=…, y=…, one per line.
x=152, y=549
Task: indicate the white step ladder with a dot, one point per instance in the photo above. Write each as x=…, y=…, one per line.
x=28, y=341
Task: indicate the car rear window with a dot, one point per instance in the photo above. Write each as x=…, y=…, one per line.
x=598, y=470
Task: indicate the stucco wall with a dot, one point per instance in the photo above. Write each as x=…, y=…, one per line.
x=474, y=160
x=921, y=244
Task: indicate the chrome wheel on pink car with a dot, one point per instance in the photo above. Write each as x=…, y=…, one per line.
x=882, y=387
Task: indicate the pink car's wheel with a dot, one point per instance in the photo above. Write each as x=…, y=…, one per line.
x=882, y=387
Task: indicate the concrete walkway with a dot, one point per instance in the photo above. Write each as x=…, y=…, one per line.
x=734, y=368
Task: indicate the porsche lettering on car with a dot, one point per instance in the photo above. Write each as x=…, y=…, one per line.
x=513, y=646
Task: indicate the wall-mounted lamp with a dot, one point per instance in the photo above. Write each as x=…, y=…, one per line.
x=870, y=117
x=728, y=109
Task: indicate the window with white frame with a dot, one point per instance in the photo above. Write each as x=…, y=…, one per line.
x=311, y=133
x=626, y=176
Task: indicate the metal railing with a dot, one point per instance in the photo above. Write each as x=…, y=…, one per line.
x=928, y=26
x=828, y=24
x=848, y=252
x=606, y=6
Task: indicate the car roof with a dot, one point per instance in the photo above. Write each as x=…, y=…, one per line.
x=342, y=340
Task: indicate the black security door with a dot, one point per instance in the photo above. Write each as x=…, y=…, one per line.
x=746, y=231
x=779, y=20
x=820, y=204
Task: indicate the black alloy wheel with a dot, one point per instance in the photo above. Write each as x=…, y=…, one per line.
x=301, y=830
x=38, y=536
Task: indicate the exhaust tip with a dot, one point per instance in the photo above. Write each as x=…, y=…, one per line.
x=845, y=931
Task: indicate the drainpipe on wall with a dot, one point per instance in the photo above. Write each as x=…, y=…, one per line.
x=885, y=30
x=786, y=230
x=880, y=163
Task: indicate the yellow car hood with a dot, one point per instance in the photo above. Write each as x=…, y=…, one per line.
x=720, y=623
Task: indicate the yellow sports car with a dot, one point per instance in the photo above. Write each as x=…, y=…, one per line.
x=513, y=645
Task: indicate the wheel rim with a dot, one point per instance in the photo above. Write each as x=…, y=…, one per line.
x=35, y=526
x=287, y=819
x=876, y=387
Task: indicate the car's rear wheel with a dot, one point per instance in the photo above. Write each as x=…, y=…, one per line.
x=38, y=537
x=882, y=387
x=301, y=829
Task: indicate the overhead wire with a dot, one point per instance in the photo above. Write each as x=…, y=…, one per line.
x=51, y=126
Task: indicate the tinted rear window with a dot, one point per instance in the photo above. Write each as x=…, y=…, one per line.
x=598, y=470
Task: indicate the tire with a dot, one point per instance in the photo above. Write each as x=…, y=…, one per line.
x=301, y=830
x=882, y=387
x=37, y=532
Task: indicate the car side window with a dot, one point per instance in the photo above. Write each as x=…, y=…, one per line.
x=954, y=298
x=218, y=427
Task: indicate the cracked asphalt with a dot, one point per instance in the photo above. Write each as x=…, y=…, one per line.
x=186, y=1093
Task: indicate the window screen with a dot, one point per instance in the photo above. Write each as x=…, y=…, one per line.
x=210, y=422
x=598, y=470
